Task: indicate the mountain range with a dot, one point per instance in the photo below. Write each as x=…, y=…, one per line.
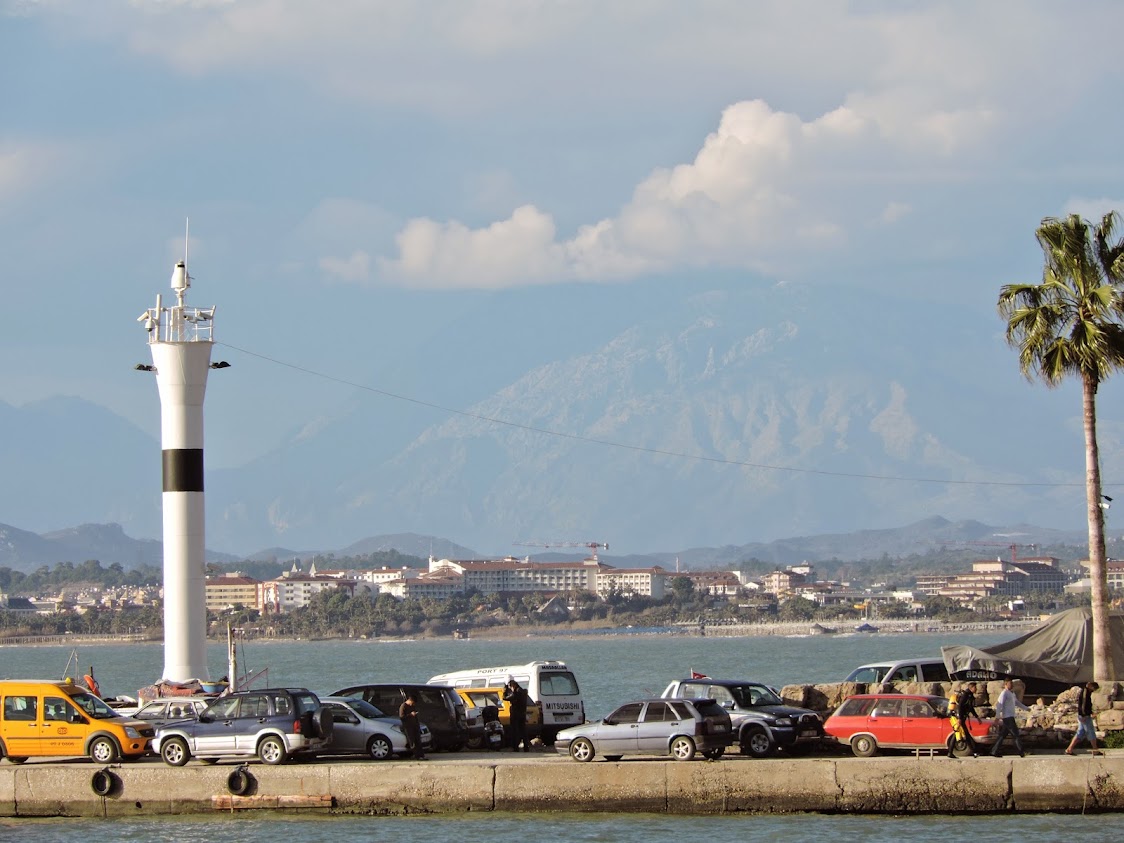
x=731, y=418
x=24, y=551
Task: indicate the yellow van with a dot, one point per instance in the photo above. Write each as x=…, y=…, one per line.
x=44, y=718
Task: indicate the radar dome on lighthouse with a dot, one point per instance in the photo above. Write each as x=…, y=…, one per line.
x=180, y=339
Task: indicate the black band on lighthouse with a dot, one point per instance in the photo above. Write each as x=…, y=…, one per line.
x=183, y=470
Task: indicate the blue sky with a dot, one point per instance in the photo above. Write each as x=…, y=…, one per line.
x=356, y=171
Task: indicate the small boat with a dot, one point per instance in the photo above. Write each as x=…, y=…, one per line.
x=865, y=627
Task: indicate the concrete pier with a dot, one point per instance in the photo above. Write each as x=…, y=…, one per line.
x=897, y=785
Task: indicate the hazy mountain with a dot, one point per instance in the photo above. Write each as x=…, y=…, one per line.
x=408, y=544
x=22, y=550
x=67, y=461
x=792, y=407
x=702, y=420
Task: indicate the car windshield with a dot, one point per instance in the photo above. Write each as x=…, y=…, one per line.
x=748, y=696
x=365, y=709
x=93, y=706
x=870, y=674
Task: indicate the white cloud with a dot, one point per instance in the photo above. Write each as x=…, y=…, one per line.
x=513, y=252
x=895, y=211
x=751, y=198
x=357, y=267
x=454, y=56
x=24, y=165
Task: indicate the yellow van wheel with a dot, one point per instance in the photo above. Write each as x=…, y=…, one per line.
x=104, y=751
x=16, y=759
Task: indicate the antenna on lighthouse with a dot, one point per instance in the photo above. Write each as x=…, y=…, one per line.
x=180, y=279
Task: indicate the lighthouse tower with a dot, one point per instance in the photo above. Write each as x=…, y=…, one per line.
x=180, y=339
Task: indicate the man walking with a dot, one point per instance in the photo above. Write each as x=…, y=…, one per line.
x=1005, y=708
x=408, y=714
x=1086, y=726
x=963, y=707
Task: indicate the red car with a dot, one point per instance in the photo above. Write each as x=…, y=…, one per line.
x=898, y=721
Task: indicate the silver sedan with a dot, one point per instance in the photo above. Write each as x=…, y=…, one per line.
x=362, y=729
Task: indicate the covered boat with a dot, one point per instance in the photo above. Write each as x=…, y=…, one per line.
x=1051, y=658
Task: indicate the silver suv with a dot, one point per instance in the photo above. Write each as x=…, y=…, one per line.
x=273, y=724
x=763, y=723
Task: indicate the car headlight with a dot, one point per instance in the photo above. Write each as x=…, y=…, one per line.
x=783, y=721
x=131, y=732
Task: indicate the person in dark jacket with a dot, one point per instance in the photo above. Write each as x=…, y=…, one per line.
x=411, y=726
x=1086, y=726
x=962, y=708
x=516, y=697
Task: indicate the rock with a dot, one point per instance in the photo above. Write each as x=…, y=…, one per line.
x=1069, y=695
x=1110, y=720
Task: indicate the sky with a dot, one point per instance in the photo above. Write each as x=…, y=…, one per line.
x=355, y=171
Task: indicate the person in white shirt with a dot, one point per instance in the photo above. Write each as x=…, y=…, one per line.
x=1005, y=708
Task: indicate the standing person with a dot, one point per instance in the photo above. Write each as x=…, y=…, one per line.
x=1005, y=710
x=408, y=714
x=516, y=697
x=962, y=708
x=1086, y=726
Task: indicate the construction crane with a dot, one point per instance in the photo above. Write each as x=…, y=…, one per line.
x=1014, y=548
x=591, y=545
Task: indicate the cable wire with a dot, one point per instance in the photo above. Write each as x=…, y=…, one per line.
x=640, y=448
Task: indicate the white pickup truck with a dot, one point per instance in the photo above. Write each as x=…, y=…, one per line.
x=761, y=721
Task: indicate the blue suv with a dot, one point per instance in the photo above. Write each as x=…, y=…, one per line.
x=273, y=724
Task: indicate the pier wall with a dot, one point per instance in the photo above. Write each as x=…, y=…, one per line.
x=898, y=785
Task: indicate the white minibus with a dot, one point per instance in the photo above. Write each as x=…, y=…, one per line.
x=550, y=683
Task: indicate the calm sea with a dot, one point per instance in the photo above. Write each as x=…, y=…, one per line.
x=610, y=668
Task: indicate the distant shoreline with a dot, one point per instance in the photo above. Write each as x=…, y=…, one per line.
x=509, y=633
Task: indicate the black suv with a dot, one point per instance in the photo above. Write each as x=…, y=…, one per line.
x=439, y=707
x=762, y=722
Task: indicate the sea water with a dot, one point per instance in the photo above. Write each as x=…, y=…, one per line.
x=611, y=669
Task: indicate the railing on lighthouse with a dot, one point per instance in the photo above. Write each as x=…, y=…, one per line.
x=178, y=322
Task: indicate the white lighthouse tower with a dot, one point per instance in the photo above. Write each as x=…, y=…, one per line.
x=180, y=339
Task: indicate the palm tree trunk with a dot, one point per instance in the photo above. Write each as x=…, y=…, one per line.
x=1098, y=567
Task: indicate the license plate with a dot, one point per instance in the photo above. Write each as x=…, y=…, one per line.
x=808, y=733
x=720, y=727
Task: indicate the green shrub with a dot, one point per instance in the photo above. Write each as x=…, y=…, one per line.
x=1114, y=739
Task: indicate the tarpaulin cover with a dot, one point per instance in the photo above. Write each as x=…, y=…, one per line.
x=1061, y=650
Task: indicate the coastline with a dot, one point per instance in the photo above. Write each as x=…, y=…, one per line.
x=508, y=633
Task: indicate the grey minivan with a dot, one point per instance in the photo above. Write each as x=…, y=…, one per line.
x=439, y=707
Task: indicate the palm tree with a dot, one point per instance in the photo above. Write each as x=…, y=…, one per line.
x=1071, y=324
